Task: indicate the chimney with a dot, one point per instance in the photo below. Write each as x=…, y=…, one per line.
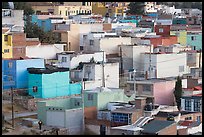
x=140, y=102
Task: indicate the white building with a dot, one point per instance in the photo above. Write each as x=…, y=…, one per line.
x=176, y=48
x=165, y=65
x=171, y=10
x=109, y=44
x=44, y=51
x=12, y=18
x=93, y=75
x=72, y=60
x=132, y=58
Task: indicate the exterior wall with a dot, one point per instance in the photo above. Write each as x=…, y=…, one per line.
x=8, y=71
x=90, y=112
x=171, y=130
x=16, y=18
x=7, y=45
x=166, y=30
x=197, y=42
x=193, y=59
x=110, y=45
x=192, y=104
x=98, y=8
x=33, y=51
x=154, y=41
x=164, y=93
x=162, y=63
x=22, y=73
x=50, y=88
x=46, y=26
x=167, y=41
x=182, y=36
x=107, y=27
x=74, y=121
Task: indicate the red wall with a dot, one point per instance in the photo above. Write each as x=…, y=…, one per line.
x=166, y=30
x=166, y=41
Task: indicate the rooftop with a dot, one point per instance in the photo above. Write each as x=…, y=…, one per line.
x=48, y=70
x=189, y=123
x=156, y=125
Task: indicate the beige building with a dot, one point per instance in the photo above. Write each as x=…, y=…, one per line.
x=66, y=9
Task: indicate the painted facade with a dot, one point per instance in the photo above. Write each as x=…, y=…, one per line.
x=194, y=39
x=51, y=84
x=192, y=103
x=7, y=46
x=15, y=72
x=182, y=36
x=66, y=113
x=45, y=24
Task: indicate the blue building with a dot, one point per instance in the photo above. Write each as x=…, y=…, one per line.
x=14, y=72
x=194, y=39
x=51, y=82
x=43, y=23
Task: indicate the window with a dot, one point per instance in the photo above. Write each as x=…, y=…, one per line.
x=119, y=10
x=60, y=12
x=83, y=3
x=77, y=103
x=188, y=118
x=181, y=68
x=64, y=59
x=81, y=47
x=10, y=78
x=5, y=37
x=146, y=87
x=10, y=64
x=193, y=38
x=6, y=50
x=161, y=30
x=35, y=89
x=66, y=12
x=90, y=96
x=188, y=104
x=198, y=118
x=91, y=42
x=197, y=105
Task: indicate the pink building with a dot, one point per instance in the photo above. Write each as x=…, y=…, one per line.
x=157, y=91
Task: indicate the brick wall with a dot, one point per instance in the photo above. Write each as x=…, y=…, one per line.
x=19, y=51
x=19, y=39
x=171, y=130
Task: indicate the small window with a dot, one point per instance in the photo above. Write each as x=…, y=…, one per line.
x=10, y=78
x=10, y=64
x=77, y=103
x=5, y=37
x=91, y=42
x=60, y=12
x=146, y=87
x=64, y=59
x=90, y=96
x=181, y=68
x=188, y=118
x=6, y=50
x=193, y=38
x=81, y=48
x=161, y=30
x=35, y=89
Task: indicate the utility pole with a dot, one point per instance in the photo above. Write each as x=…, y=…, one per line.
x=134, y=71
x=82, y=97
x=150, y=62
x=12, y=107
x=103, y=77
x=200, y=59
x=121, y=62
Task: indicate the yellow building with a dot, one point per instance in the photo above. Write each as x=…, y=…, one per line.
x=182, y=36
x=64, y=10
x=113, y=10
x=7, y=46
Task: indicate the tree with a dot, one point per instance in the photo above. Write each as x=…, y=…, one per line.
x=24, y=6
x=178, y=92
x=136, y=8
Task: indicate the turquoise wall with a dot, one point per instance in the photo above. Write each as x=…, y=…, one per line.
x=52, y=85
x=197, y=43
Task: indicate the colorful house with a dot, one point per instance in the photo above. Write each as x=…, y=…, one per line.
x=14, y=72
x=98, y=99
x=51, y=82
x=7, y=50
x=66, y=113
x=44, y=23
x=180, y=21
x=181, y=35
x=194, y=39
